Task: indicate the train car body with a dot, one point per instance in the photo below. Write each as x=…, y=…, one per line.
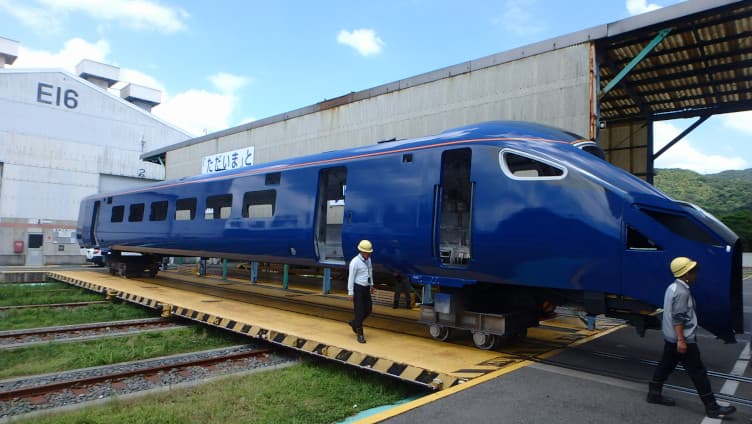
x=504, y=214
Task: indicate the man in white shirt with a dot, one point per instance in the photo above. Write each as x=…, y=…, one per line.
x=360, y=287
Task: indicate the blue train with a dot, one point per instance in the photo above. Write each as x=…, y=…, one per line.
x=504, y=217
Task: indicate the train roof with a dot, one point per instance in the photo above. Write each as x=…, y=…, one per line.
x=476, y=133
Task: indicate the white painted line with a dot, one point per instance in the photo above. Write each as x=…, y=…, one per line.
x=729, y=387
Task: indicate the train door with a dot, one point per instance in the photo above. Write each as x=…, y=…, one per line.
x=330, y=208
x=94, y=223
x=453, y=209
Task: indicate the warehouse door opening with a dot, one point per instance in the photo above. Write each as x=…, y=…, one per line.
x=34, y=250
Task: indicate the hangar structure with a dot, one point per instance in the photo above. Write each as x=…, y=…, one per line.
x=64, y=137
x=608, y=83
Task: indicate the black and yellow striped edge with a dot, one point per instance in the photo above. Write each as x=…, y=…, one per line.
x=110, y=293
x=429, y=378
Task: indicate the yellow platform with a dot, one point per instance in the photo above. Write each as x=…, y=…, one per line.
x=418, y=359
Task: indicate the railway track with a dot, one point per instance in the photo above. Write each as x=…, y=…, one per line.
x=77, y=332
x=53, y=305
x=49, y=391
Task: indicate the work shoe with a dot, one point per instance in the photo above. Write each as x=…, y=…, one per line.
x=361, y=338
x=655, y=396
x=713, y=409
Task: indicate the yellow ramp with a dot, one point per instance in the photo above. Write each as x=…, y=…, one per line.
x=421, y=360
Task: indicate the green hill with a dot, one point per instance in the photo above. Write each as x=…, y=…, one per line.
x=727, y=195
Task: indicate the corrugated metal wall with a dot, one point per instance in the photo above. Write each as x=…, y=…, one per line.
x=553, y=88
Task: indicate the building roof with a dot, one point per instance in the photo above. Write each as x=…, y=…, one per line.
x=105, y=92
x=703, y=66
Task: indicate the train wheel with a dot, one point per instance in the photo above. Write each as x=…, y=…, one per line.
x=484, y=341
x=439, y=332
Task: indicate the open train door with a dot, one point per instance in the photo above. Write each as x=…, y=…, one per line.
x=453, y=209
x=94, y=223
x=330, y=208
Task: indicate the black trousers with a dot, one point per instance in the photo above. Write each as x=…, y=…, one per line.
x=401, y=285
x=362, y=304
x=691, y=362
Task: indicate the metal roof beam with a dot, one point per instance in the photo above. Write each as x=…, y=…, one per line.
x=676, y=139
x=689, y=112
x=741, y=85
x=645, y=51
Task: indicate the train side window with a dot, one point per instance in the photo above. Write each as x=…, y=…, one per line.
x=637, y=241
x=273, y=178
x=259, y=204
x=523, y=166
x=185, y=209
x=158, y=211
x=218, y=207
x=136, y=212
x=118, y=212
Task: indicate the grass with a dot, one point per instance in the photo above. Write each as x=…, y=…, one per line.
x=53, y=357
x=16, y=319
x=41, y=294
x=310, y=392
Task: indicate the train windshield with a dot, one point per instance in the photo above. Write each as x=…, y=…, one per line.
x=713, y=223
x=682, y=226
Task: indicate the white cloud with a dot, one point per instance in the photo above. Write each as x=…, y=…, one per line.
x=518, y=20
x=365, y=41
x=41, y=20
x=740, y=121
x=47, y=16
x=197, y=111
x=246, y=120
x=684, y=155
x=228, y=83
x=636, y=7
x=73, y=51
x=140, y=78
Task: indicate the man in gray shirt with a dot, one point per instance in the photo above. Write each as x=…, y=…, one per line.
x=680, y=341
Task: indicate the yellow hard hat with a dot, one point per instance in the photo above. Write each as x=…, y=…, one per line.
x=365, y=246
x=681, y=266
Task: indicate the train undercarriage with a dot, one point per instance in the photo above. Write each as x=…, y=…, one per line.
x=496, y=315
x=493, y=314
x=127, y=264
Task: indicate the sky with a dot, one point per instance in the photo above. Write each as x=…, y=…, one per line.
x=224, y=63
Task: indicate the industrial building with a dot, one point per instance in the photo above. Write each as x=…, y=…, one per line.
x=608, y=83
x=64, y=137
